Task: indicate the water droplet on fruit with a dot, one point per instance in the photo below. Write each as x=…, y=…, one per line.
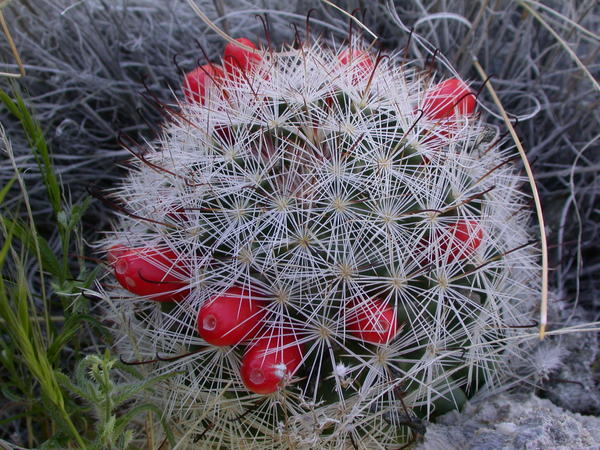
x=257, y=376
x=209, y=323
x=121, y=266
x=280, y=370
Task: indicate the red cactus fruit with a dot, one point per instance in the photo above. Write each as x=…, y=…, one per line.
x=154, y=272
x=196, y=82
x=461, y=239
x=238, y=60
x=362, y=62
x=372, y=321
x=232, y=317
x=448, y=97
x=268, y=361
x=224, y=134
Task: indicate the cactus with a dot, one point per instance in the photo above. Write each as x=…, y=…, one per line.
x=339, y=248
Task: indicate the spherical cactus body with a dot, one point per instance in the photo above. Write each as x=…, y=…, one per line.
x=356, y=250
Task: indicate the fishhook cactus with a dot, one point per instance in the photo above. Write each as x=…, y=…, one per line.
x=323, y=247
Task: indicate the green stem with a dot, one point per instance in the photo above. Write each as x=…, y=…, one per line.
x=73, y=430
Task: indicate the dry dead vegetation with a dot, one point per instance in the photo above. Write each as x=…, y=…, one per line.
x=92, y=68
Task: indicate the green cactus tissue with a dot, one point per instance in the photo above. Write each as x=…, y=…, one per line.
x=323, y=247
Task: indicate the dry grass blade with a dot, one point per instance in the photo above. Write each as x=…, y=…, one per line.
x=216, y=29
x=561, y=41
x=566, y=19
x=13, y=49
x=358, y=22
x=536, y=198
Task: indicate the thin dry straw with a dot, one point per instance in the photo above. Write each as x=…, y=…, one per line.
x=562, y=17
x=229, y=39
x=358, y=22
x=216, y=29
x=571, y=53
x=536, y=197
x=13, y=49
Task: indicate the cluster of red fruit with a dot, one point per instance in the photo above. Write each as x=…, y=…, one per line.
x=239, y=315
x=444, y=100
x=237, y=62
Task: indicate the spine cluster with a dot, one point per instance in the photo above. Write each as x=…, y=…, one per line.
x=323, y=247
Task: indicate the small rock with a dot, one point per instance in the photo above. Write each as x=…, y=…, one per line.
x=507, y=427
x=512, y=422
x=576, y=385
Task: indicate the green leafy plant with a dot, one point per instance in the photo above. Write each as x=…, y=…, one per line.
x=42, y=311
x=33, y=340
x=93, y=382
